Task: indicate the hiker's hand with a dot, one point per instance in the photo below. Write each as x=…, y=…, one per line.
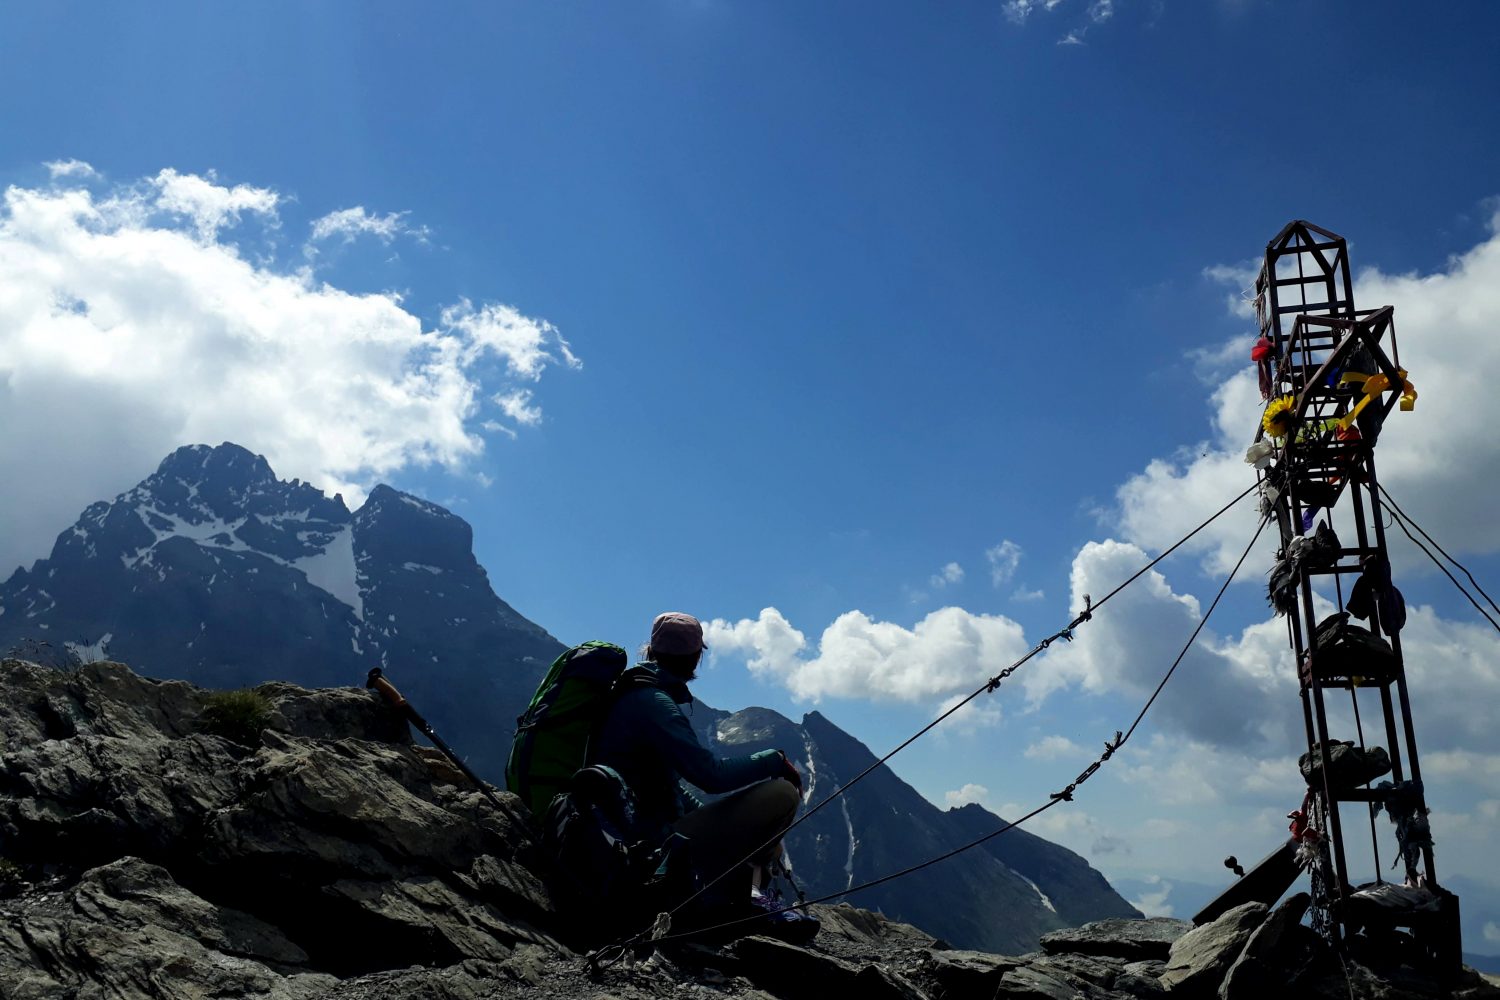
x=789, y=771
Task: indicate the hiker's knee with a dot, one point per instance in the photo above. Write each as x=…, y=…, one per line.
x=779, y=797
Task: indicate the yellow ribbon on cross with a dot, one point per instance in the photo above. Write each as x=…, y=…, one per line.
x=1374, y=385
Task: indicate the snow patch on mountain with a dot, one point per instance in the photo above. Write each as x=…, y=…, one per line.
x=332, y=570
x=1045, y=901
x=424, y=506
x=211, y=532
x=853, y=842
x=810, y=768
x=91, y=652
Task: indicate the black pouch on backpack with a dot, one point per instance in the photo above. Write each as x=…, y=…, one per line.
x=590, y=831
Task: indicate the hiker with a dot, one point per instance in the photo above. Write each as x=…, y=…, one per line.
x=649, y=741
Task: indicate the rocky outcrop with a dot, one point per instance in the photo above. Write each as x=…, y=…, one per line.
x=143, y=854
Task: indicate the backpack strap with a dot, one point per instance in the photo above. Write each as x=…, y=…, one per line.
x=632, y=679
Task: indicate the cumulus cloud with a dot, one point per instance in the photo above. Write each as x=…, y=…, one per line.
x=210, y=206
x=947, y=651
x=983, y=712
x=349, y=223
x=968, y=794
x=1221, y=693
x=1437, y=461
x=128, y=328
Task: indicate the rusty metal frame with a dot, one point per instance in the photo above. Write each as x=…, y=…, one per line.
x=1314, y=338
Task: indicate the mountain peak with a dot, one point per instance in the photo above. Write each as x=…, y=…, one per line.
x=229, y=463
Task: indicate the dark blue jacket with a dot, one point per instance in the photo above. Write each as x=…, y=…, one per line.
x=650, y=742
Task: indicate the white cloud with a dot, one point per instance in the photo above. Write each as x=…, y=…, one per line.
x=349, y=223
x=1070, y=826
x=127, y=329
x=1241, y=279
x=1492, y=932
x=1220, y=695
x=70, y=168
x=1074, y=37
x=1003, y=559
x=983, y=712
x=1054, y=747
x=949, y=650
x=1017, y=11
x=951, y=573
x=1022, y=594
x=526, y=344
x=1466, y=766
x=516, y=404
x=1154, y=903
x=1101, y=10
x=966, y=795
x=211, y=206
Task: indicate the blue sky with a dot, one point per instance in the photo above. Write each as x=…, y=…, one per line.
x=791, y=307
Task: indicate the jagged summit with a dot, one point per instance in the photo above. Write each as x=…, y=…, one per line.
x=212, y=569
x=228, y=463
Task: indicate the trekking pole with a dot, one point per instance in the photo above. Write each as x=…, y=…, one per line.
x=376, y=680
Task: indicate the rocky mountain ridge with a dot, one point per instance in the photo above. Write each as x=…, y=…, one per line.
x=326, y=857
x=212, y=570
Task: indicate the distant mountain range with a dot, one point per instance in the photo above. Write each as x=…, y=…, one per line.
x=212, y=570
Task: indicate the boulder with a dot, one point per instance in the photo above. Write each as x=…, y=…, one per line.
x=880, y=983
x=1028, y=984
x=1083, y=972
x=1277, y=954
x=1200, y=958
x=128, y=929
x=863, y=927
x=1131, y=940
x=968, y=975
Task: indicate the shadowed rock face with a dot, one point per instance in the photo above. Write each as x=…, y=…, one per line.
x=332, y=858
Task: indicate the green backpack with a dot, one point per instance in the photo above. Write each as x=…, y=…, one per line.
x=552, y=736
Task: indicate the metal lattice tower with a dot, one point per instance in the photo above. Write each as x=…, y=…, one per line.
x=1324, y=352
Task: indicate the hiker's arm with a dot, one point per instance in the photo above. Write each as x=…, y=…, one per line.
x=676, y=741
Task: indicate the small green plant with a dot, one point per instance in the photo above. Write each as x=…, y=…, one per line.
x=236, y=715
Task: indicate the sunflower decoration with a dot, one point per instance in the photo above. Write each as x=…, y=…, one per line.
x=1278, y=417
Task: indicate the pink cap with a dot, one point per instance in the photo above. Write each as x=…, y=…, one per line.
x=677, y=634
